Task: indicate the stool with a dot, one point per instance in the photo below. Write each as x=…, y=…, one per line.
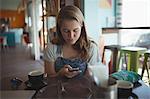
x=133, y=57
x=145, y=66
x=114, y=49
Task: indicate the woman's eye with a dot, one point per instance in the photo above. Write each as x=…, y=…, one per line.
x=65, y=30
x=76, y=30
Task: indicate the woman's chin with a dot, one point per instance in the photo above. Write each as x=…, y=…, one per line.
x=70, y=43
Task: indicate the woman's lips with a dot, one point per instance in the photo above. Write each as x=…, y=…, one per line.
x=69, y=39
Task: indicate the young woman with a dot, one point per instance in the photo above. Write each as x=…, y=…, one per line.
x=71, y=44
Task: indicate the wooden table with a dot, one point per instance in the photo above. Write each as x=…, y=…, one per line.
x=82, y=88
x=17, y=94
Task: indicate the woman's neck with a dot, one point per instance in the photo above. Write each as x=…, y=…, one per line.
x=69, y=51
x=67, y=46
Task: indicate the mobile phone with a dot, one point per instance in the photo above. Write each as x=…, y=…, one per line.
x=74, y=69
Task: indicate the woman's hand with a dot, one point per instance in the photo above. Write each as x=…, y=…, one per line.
x=69, y=72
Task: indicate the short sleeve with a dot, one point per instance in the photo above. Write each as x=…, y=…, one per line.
x=94, y=54
x=50, y=52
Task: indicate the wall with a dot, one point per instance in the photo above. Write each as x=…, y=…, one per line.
x=9, y=4
x=98, y=16
x=16, y=19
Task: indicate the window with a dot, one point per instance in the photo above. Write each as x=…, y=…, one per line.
x=133, y=13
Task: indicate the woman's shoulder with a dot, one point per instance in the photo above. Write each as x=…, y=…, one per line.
x=53, y=47
x=51, y=52
x=93, y=53
x=93, y=48
x=93, y=44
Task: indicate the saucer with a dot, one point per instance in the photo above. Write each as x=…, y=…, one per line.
x=35, y=86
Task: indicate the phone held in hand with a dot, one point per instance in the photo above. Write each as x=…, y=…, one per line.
x=74, y=69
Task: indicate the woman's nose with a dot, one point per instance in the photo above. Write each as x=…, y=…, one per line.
x=71, y=35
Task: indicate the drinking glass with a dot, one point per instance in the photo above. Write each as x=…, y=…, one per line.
x=100, y=74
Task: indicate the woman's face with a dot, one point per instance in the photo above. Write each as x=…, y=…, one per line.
x=71, y=31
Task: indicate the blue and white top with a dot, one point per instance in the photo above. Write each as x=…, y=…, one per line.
x=52, y=52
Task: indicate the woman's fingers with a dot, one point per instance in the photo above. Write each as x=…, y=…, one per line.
x=72, y=74
x=68, y=67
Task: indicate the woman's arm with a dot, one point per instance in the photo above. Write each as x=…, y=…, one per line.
x=49, y=69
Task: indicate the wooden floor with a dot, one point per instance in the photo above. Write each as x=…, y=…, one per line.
x=16, y=62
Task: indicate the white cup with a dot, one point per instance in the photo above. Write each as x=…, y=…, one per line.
x=100, y=74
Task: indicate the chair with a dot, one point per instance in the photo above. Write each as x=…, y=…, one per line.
x=133, y=54
x=145, y=65
x=113, y=62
